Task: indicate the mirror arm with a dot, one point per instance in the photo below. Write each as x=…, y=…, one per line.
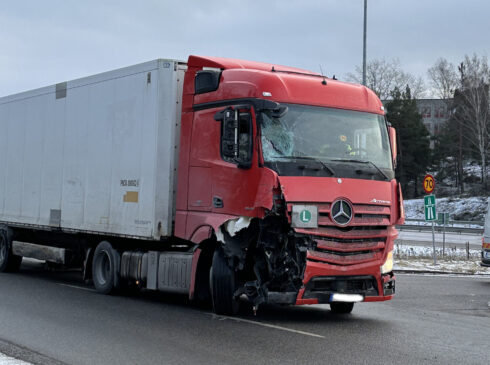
x=219, y=115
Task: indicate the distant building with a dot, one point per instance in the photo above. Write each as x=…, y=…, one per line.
x=434, y=113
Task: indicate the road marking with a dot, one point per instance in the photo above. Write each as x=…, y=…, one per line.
x=76, y=287
x=266, y=325
x=6, y=360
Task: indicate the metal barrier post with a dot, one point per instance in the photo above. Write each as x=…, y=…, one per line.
x=444, y=236
x=434, y=244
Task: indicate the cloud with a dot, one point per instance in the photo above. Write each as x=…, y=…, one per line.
x=50, y=41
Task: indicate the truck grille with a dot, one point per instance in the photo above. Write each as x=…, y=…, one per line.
x=363, y=240
x=364, y=214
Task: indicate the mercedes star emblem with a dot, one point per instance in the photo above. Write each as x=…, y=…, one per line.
x=341, y=212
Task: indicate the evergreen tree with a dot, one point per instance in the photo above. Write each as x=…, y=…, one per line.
x=414, y=143
x=450, y=150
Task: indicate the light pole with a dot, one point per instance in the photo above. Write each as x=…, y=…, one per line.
x=364, y=45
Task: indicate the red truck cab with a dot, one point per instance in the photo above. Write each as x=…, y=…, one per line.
x=286, y=185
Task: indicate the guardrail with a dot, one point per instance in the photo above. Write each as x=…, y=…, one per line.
x=451, y=222
x=454, y=226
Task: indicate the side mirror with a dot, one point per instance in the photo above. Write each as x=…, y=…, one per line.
x=229, y=135
x=394, y=151
x=236, y=135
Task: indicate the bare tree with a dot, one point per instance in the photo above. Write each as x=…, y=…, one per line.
x=384, y=76
x=472, y=107
x=443, y=78
x=444, y=82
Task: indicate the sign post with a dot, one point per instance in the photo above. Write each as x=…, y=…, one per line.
x=443, y=218
x=430, y=208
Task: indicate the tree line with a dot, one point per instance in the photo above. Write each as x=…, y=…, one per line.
x=464, y=137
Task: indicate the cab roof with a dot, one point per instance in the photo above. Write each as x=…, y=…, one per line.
x=248, y=79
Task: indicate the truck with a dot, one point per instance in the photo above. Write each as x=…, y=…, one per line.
x=485, y=245
x=222, y=179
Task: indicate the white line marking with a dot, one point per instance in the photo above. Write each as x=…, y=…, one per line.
x=75, y=287
x=265, y=325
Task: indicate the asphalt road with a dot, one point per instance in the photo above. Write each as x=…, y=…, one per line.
x=424, y=238
x=47, y=317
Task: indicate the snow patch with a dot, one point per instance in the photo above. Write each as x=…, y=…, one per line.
x=419, y=258
x=472, y=208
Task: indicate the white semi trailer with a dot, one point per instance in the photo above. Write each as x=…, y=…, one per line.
x=98, y=164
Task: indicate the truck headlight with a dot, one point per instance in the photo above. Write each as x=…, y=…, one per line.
x=388, y=265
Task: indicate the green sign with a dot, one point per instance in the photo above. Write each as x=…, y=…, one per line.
x=305, y=216
x=442, y=218
x=430, y=208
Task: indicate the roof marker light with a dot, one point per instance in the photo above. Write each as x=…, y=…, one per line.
x=382, y=107
x=266, y=93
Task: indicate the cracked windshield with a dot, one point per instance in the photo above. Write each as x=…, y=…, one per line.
x=327, y=135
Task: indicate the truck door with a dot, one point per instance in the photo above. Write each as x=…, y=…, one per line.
x=224, y=172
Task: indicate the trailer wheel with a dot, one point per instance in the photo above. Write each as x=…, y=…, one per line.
x=341, y=307
x=8, y=261
x=105, y=268
x=223, y=285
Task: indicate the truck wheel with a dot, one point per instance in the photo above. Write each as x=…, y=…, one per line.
x=341, y=307
x=8, y=261
x=105, y=268
x=223, y=286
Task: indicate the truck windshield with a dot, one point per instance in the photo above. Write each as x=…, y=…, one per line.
x=331, y=136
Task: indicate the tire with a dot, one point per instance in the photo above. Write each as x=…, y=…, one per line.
x=8, y=261
x=341, y=307
x=223, y=285
x=105, y=268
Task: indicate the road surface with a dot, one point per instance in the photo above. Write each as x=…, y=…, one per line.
x=50, y=318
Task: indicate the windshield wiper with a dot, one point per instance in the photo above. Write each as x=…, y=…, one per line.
x=364, y=162
x=324, y=165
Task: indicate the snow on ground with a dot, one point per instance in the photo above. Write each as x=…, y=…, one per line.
x=442, y=266
x=419, y=252
x=6, y=360
x=419, y=258
x=472, y=208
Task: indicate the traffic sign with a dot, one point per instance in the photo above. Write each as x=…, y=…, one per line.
x=430, y=208
x=429, y=184
x=442, y=218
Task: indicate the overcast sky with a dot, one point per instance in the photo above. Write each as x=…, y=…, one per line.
x=45, y=42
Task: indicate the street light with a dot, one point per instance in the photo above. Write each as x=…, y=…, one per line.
x=364, y=45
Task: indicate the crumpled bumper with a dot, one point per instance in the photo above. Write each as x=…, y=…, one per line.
x=323, y=280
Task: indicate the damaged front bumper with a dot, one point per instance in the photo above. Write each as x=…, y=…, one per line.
x=365, y=280
x=367, y=286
